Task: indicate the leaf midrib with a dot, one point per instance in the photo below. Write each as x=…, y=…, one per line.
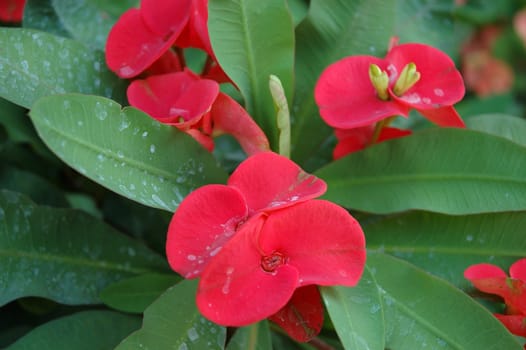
x=421, y=321
x=505, y=252
x=138, y=166
x=412, y=178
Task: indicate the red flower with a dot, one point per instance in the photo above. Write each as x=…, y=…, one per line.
x=361, y=90
x=195, y=34
x=195, y=105
x=12, y=10
x=256, y=245
x=353, y=140
x=492, y=279
x=141, y=36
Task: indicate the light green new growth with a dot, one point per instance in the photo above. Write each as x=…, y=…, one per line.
x=282, y=114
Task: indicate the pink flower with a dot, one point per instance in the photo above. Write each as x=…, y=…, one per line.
x=359, y=91
x=196, y=106
x=256, y=245
x=12, y=10
x=492, y=279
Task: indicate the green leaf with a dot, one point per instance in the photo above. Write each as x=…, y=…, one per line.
x=253, y=337
x=298, y=10
x=422, y=311
x=253, y=39
x=83, y=330
x=19, y=128
x=63, y=254
x=135, y=294
x=40, y=15
x=17, y=125
x=24, y=158
x=452, y=171
x=90, y=21
x=446, y=245
x=124, y=150
x=495, y=104
x=35, y=64
x=356, y=313
x=334, y=29
x=512, y=128
x=173, y=322
x=147, y=224
x=38, y=189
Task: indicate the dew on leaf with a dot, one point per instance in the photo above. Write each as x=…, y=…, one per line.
x=124, y=124
x=192, y=334
x=100, y=112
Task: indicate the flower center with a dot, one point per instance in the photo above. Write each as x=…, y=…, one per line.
x=380, y=80
x=270, y=263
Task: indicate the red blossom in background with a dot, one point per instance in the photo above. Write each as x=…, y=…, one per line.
x=492, y=279
x=12, y=10
x=256, y=245
x=361, y=90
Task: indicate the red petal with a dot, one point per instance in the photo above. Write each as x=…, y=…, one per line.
x=215, y=72
x=235, y=291
x=170, y=97
x=12, y=10
x=270, y=181
x=166, y=17
x=169, y=62
x=444, y=116
x=440, y=82
x=230, y=118
x=389, y=133
x=482, y=271
x=322, y=240
x=351, y=140
x=206, y=141
x=302, y=317
x=205, y=220
x=518, y=270
x=346, y=97
x=195, y=34
x=489, y=278
x=132, y=46
x=516, y=324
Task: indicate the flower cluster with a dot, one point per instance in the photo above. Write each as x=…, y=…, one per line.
x=150, y=41
x=261, y=244
x=359, y=95
x=492, y=279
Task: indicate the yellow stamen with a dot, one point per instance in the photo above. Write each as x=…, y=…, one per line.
x=407, y=79
x=380, y=81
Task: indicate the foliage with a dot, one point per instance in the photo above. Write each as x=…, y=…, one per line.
x=88, y=183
